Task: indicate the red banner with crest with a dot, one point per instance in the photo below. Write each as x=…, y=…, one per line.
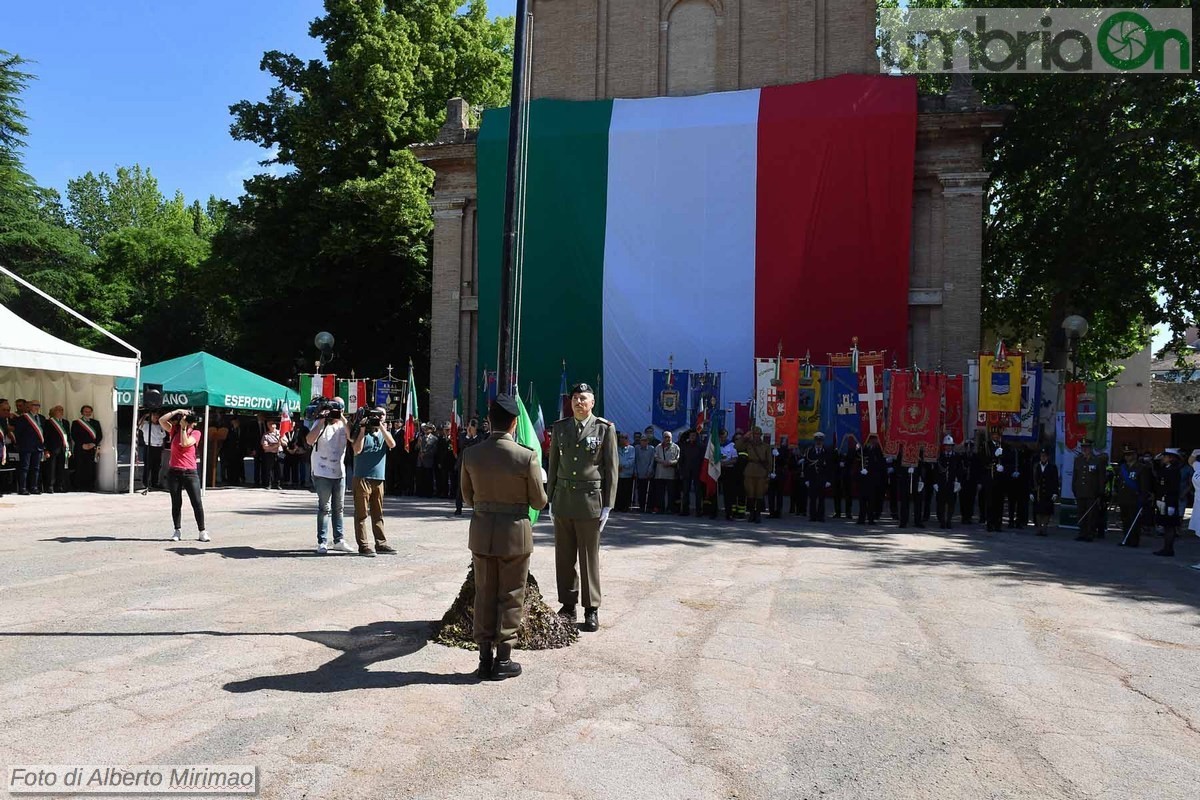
x=914, y=416
x=952, y=408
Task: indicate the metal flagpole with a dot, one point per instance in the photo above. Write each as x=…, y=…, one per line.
x=208, y=451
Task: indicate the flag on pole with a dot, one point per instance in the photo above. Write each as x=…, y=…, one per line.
x=527, y=437
x=710, y=470
x=455, y=419
x=564, y=393
x=314, y=386
x=285, y=418
x=539, y=419
x=411, y=412
x=354, y=394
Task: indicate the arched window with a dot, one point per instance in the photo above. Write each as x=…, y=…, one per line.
x=692, y=48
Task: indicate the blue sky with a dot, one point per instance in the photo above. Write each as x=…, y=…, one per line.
x=150, y=82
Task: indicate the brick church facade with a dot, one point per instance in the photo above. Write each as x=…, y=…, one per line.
x=595, y=49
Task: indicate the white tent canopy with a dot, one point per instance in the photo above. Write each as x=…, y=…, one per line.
x=26, y=346
x=36, y=365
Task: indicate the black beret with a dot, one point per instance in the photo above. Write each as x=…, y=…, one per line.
x=581, y=387
x=508, y=403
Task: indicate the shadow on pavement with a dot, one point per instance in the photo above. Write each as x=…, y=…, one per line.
x=245, y=551
x=70, y=539
x=361, y=647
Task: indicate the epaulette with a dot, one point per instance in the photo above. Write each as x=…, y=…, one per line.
x=605, y=421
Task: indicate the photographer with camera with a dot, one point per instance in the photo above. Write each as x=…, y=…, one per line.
x=328, y=439
x=182, y=476
x=371, y=442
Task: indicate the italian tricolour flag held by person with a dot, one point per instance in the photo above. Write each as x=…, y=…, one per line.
x=539, y=420
x=285, y=419
x=411, y=412
x=710, y=470
x=527, y=437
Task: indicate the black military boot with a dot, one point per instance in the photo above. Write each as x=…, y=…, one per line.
x=1168, y=548
x=485, y=661
x=504, y=667
x=591, y=620
x=568, y=611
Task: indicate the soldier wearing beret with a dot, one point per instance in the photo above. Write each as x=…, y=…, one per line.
x=582, y=485
x=501, y=481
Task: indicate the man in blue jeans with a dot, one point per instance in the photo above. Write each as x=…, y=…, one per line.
x=328, y=439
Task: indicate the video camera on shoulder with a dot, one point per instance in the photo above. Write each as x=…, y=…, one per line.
x=371, y=419
x=324, y=408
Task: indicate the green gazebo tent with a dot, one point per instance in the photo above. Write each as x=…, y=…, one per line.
x=202, y=379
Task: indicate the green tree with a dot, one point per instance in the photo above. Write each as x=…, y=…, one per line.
x=340, y=240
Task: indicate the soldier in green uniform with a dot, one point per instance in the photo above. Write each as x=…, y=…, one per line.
x=1088, y=486
x=582, y=485
x=500, y=480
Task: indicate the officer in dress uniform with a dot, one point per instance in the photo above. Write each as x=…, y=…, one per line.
x=1133, y=487
x=910, y=489
x=818, y=474
x=1088, y=485
x=843, y=481
x=582, y=485
x=757, y=471
x=947, y=479
x=501, y=481
x=1045, y=490
x=30, y=435
x=998, y=466
x=1170, y=487
x=87, y=435
x=872, y=475
x=971, y=471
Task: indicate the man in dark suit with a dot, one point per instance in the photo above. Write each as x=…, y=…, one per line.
x=818, y=474
x=947, y=478
x=999, y=464
x=501, y=481
x=1044, y=479
x=872, y=469
x=30, y=434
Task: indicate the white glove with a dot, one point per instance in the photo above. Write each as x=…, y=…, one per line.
x=999, y=468
x=1170, y=512
x=1016, y=473
x=774, y=451
x=957, y=487
x=771, y=476
x=807, y=484
x=864, y=472
x=827, y=484
x=920, y=486
x=911, y=470
x=604, y=517
x=999, y=452
x=1053, y=498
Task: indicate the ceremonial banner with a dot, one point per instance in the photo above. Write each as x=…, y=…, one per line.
x=704, y=393
x=385, y=389
x=971, y=415
x=693, y=225
x=669, y=402
x=314, y=386
x=844, y=401
x=1024, y=426
x=490, y=388
x=775, y=397
x=1086, y=414
x=741, y=418
x=809, y=398
x=952, y=409
x=353, y=394
x=1051, y=389
x=1000, y=383
x=914, y=416
x=870, y=387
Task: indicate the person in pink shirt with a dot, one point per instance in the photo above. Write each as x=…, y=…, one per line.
x=182, y=475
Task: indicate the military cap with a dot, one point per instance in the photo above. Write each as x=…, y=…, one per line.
x=580, y=388
x=948, y=439
x=508, y=403
x=818, y=435
x=1128, y=448
x=1085, y=443
x=1048, y=450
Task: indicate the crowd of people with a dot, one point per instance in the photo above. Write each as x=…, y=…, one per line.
x=47, y=453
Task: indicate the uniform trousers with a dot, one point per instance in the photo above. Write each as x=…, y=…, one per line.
x=816, y=501
x=945, y=505
x=996, y=492
x=368, y=501
x=730, y=484
x=966, y=501
x=577, y=540
x=624, y=493
x=799, y=503
x=499, y=596
x=1089, y=516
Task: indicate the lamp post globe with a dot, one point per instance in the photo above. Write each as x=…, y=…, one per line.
x=1075, y=326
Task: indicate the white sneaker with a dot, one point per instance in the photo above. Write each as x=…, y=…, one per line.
x=177, y=535
x=341, y=545
x=322, y=549
x=204, y=536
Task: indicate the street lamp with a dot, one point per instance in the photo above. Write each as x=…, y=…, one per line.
x=324, y=342
x=1076, y=328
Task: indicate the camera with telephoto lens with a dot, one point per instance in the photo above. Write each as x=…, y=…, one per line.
x=369, y=418
x=323, y=408
x=191, y=418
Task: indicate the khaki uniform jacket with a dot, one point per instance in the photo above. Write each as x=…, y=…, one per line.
x=759, y=455
x=1090, y=475
x=500, y=479
x=582, y=478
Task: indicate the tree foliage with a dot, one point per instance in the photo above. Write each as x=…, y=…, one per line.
x=341, y=240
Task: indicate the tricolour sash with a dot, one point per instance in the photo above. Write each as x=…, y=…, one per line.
x=37, y=428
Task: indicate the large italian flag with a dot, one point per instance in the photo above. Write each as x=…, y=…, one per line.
x=709, y=227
